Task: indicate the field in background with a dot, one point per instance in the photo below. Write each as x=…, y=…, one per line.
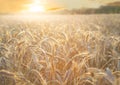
x=60, y=50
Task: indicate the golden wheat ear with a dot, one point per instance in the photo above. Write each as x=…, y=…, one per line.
x=7, y=78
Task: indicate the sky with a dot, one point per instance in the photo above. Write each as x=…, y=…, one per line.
x=8, y=6
x=83, y=3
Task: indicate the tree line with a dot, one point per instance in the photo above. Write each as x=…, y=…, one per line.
x=102, y=9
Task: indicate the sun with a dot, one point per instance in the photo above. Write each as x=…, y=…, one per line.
x=34, y=7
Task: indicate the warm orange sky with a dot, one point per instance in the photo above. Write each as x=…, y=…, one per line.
x=7, y=6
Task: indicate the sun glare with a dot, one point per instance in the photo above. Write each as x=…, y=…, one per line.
x=34, y=7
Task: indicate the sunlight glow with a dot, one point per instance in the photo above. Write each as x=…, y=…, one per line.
x=35, y=7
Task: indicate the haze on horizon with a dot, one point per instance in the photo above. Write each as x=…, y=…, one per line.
x=9, y=6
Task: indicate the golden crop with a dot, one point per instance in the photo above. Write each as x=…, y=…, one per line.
x=60, y=50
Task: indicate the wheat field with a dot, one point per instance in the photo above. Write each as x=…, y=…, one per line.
x=60, y=50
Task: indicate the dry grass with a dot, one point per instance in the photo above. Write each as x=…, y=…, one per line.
x=61, y=50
